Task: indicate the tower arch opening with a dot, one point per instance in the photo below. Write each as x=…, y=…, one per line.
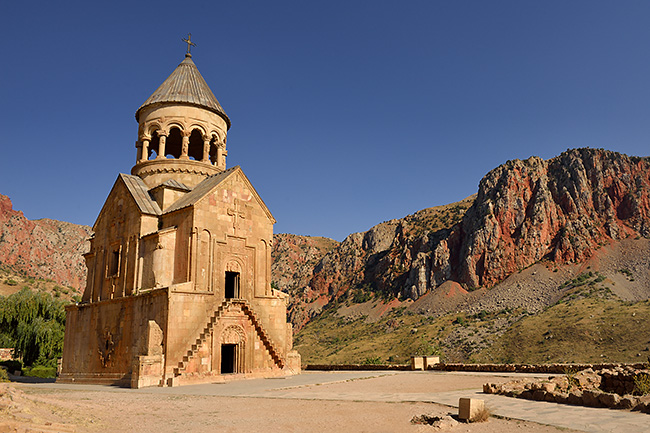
x=214, y=144
x=174, y=143
x=195, y=150
x=152, y=151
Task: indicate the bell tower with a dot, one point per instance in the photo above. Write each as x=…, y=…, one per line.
x=182, y=130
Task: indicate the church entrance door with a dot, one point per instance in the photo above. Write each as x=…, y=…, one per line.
x=228, y=361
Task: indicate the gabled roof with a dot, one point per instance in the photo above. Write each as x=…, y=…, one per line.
x=140, y=193
x=173, y=183
x=186, y=86
x=205, y=187
x=200, y=190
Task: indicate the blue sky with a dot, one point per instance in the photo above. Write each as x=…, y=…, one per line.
x=344, y=114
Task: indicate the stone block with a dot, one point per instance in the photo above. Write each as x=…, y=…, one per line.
x=147, y=371
x=609, y=399
x=417, y=363
x=627, y=402
x=575, y=398
x=591, y=398
x=469, y=408
x=430, y=361
x=539, y=395
x=294, y=362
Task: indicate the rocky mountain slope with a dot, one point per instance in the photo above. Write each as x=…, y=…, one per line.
x=563, y=210
x=560, y=211
x=47, y=249
x=511, y=250
x=376, y=261
x=294, y=259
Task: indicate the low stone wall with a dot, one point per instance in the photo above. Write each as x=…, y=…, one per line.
x=530, y=368
x=357, y=367
x=619, y=380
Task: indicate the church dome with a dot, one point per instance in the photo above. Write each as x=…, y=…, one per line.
x=185, y=86
x=182, y=130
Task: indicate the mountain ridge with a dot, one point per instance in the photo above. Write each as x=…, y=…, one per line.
x=559, y=212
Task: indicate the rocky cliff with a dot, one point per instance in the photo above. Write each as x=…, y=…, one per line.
x=561, y=210
x=294, y=258
x=382, y=260
x=43, y=248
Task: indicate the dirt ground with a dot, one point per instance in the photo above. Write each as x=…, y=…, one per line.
x=326, y=407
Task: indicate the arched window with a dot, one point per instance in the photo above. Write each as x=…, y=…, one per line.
x=195, y=150
x=213, y=150
x=152, y=151
x=174, y=144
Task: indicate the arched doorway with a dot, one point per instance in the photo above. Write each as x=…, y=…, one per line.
x=232, y=350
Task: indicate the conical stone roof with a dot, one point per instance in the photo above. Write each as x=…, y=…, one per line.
x=185, y=86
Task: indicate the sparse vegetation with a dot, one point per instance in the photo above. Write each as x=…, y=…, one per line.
x=642, y=384
x=571, y=378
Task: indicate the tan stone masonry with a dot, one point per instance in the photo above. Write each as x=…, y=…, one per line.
x=178, y=287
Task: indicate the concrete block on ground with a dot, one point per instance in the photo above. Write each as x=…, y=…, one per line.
x=469, y=408
x=430, y=361
x=417, y=363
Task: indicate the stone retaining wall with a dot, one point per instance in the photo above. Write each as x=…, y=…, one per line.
x=357, y=367
x=611, y=388
x=531, y=368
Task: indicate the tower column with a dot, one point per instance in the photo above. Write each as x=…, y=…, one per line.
x=143, y=150
x=161, y=144
x=219, y=155
x=186, y=145
x=138, y=146
x=206, y=149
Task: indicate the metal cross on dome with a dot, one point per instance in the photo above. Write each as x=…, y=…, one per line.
x=189, y=43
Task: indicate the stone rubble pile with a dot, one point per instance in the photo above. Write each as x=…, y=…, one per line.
x=610, y=388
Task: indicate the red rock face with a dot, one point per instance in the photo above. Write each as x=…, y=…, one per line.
x=44, y=248
x=294, y=258
x=562, y=210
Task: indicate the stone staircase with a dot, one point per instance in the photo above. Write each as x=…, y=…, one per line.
x=203, y=336
x=261, y=332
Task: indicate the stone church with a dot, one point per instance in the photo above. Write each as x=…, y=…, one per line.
x=179, y=269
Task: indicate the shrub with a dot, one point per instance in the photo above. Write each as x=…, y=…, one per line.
x=642, y=384
x=372, y=361
x=41, y=371
x=4, y=376
x=571, y=378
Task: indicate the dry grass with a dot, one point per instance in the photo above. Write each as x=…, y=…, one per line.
x=581, y=330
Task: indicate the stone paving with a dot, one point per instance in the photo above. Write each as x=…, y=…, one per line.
x=588, y=419
x=313, y=386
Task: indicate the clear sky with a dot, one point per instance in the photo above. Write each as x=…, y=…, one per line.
x=344, y=113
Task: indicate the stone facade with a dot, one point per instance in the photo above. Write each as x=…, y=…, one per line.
x=179, y=268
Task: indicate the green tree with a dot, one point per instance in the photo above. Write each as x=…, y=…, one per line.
x=35, y=323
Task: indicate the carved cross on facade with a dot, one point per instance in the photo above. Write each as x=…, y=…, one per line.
x=236, y=213
x=189, y=43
